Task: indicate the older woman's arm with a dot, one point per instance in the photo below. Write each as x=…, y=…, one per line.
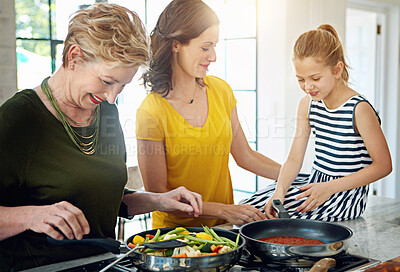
x=179, y=199
x=69, y=220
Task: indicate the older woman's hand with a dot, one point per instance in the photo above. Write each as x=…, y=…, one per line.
x=60, y=217
x=181, y=199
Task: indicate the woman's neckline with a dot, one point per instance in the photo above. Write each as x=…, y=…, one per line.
x=50, y=114
x=180, y=115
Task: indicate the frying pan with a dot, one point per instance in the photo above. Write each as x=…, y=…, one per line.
x=335, y=237
x=144, y=262
x=219, y=262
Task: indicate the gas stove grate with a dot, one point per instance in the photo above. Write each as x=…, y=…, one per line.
x=344, y=262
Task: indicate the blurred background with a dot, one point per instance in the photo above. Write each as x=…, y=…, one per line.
x=253, y=56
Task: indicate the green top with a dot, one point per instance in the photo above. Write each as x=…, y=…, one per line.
x=40, y=165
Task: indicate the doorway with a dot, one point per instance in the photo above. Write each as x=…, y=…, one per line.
x=365, y=38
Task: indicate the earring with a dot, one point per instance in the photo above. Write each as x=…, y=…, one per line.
x=176, y=51
x=72, y=67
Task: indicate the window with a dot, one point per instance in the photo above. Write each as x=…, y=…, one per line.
x=236, y=63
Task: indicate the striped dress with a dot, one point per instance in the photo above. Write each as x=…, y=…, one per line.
x=339, y=151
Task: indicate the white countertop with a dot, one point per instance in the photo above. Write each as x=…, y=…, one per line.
x=376, y=234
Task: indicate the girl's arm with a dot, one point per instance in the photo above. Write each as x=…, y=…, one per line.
x=292, y=166
x=294, y=162
x=367, y=125
x=248, y=158
x=153, y=167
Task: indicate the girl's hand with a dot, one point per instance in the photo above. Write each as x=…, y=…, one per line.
x=270, y=212
x=241, y=214
x=58, y=220
x=316, y=193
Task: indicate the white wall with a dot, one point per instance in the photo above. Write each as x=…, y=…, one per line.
x=279, y=25
x=8, y=67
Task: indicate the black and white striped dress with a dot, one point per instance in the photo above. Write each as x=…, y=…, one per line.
x=339, y=151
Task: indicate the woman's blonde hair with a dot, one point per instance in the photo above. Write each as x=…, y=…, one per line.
x=323, y=44
x=109, y=33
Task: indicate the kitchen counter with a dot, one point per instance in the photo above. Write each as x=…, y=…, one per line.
x=376, y=234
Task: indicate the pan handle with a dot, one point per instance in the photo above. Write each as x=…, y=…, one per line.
x=282, y=213
x=323, y=265
x=108, y=244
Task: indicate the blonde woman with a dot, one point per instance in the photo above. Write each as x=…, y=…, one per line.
x=62, y=153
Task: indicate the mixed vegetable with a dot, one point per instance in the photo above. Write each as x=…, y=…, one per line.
x=200, y=244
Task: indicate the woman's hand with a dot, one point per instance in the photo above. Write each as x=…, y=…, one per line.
x=241, y=214
x=316, y=193
x=58, y=220
x=181, y=199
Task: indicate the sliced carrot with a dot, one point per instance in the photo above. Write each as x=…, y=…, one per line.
x=131, y=245
x=215, y=248
x=151, y=236
x=209, y=254
x=182, y=255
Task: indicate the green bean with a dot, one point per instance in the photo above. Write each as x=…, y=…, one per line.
x=156, y=235
x=215, y=235
x=237, y=240
x=200, y=246
x=174, y=231
x=229, y=241
x=191, y=238
x=178, y=237
x=207, y=230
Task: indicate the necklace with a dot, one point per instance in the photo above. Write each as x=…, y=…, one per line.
x=194, y=93
x=81, y=123
x=86, y=144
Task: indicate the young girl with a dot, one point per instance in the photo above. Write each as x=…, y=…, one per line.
x=350, y=149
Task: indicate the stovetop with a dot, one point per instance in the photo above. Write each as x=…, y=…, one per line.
x=344, y=262
x=248, y=262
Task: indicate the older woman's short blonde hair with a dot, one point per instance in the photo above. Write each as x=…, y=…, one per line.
x=109, y=33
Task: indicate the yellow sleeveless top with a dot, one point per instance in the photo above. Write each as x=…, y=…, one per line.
x=197, y=157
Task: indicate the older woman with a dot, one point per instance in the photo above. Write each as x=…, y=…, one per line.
x=62, y=170
x=188, y=125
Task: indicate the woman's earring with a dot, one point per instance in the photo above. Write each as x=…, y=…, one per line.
x=72, y=67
